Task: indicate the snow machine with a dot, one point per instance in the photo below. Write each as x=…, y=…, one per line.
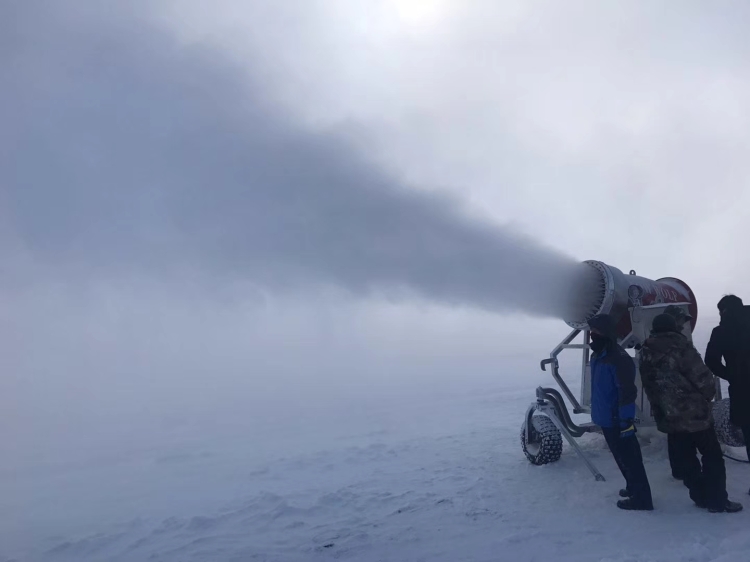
x=635, y=301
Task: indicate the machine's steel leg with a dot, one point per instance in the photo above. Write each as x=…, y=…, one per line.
x=552, y=361
x=527, y=426
x=549, y=411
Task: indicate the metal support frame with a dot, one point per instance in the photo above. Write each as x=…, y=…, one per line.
x=565, y=344
x=555, y=399
x=551, y=404
x=547, y=406
x=549, y=411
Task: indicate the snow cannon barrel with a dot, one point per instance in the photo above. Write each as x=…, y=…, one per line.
x=607, y=290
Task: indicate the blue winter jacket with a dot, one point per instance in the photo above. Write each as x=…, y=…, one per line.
x=613, y=390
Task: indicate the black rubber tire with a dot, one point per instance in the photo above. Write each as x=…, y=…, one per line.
x=728, y=433
x=545, y=445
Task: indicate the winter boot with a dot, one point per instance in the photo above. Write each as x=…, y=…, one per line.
x=631, y=505
x=697, y=497
x=728, y=507
x=625, y=493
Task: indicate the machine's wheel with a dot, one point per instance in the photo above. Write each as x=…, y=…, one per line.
x=728, y=433
x=545, y=443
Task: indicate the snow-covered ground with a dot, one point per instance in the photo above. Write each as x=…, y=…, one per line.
x=436, y=475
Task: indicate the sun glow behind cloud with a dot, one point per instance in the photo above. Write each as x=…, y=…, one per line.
x=422, y=14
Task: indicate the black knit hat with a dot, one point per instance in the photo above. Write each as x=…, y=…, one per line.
x=604, y=324
x=728, y=302
x=664, y=323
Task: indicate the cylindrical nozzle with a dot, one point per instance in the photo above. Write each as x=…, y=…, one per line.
x=604, y=289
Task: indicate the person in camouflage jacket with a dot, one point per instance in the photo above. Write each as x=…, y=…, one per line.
x=680, y=388
x=681, y=317
x=677, y=382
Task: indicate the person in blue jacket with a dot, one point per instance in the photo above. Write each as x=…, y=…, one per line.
x=613, y=394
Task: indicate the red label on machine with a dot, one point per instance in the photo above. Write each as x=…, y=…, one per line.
x=663, y=291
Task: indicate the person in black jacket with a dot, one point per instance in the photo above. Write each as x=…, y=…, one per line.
x=613, y=394
x=730, y=341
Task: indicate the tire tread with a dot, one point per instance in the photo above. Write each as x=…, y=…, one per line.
x=549, y=438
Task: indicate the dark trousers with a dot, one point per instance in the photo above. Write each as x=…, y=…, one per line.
x=673, y=461
x=746, y=435
x=707, y=483
x=627, y=453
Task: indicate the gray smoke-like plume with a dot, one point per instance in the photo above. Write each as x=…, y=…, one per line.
x=121, y=149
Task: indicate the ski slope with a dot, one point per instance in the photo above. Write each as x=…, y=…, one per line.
x=431, y=476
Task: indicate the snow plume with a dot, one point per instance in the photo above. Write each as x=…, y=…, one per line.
x=126, y=151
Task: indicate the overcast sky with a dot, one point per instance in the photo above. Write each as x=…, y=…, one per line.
x=141, y=274
x=611, y=131
x=614, y=131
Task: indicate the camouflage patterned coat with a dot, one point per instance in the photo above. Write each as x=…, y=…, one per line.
x=677, y=382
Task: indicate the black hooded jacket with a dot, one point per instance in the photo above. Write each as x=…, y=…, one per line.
x=730, y=341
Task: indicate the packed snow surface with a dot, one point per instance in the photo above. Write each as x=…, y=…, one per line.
x=436, y=475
